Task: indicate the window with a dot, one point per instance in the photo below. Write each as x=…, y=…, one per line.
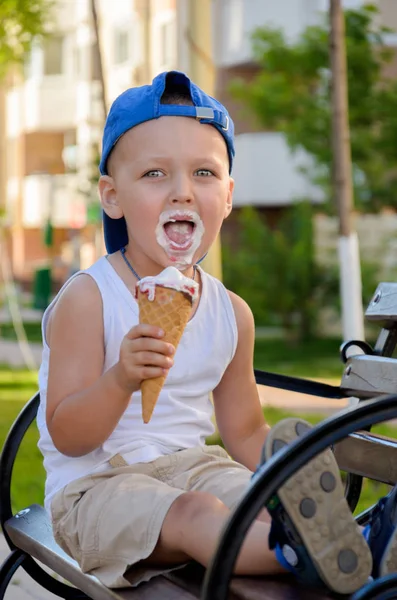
x=167, y=43
x=121, y=46
x=53, y=55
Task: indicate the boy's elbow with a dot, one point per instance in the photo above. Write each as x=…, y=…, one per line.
x=66, y=445
x=69, y=449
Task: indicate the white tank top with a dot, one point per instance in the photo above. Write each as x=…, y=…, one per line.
x=183, y=414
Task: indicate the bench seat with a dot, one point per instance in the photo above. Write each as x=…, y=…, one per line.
x=31, y=531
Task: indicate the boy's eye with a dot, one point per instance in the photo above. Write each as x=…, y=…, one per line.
x=204, y=172
x=154, y=173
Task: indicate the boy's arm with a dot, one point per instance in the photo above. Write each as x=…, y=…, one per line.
x=78, y=421
x=84, y=404
x=238, y=411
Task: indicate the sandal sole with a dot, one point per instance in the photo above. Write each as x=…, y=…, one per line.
x=315, y=502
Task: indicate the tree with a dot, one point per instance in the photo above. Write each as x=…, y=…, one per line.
x=275, y=272
x=21, y=22
x=342, y=180
x=291, y=94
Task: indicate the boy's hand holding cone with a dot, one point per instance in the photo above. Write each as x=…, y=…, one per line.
x=166, y=302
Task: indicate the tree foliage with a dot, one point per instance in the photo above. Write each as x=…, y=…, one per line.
x=291, y=94
x=275, y=272
x=21, y=22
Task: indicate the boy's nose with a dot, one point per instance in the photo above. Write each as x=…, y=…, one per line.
x=181, y=192
x=181, y=199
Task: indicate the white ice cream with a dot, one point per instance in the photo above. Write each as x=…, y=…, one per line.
x=169, y=278
x=187, y=229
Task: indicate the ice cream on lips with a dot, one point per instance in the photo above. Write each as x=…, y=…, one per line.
x=179, y=233
x=166, y=302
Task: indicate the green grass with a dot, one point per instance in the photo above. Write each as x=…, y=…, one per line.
x=28, y=476
x=312, y=359
x=32, y=330
x=16, y=387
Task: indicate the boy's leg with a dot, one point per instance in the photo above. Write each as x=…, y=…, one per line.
x=192, y=529
x=313, y=528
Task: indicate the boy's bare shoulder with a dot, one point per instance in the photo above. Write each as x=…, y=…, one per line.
x=80, y=300
x=81, y=292
x=242, y=311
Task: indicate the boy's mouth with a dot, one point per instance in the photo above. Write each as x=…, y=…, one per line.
x=179, y=230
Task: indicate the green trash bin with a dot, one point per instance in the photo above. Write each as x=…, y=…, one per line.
x=42, y=288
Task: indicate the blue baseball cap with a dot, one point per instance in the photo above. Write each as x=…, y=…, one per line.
x=139, y=104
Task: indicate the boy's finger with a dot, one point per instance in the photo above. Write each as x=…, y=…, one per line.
x=144, y=330
x=153, y=359
x=150, y=344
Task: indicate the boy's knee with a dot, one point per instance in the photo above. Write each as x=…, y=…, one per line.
x=192, y=505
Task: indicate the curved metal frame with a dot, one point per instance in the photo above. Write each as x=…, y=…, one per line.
x=323, y=390
x=275, y=472
x=13, y=561
x=8, y=456
x=384, y=588
x=18, y=558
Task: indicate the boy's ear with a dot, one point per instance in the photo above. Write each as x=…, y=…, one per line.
x=229, y=199
x=108, y=195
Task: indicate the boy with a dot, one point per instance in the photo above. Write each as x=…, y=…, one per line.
x=146, y=498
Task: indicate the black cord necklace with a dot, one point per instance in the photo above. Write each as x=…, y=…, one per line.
x=131, y=268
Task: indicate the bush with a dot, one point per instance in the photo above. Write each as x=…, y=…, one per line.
x=275, y=271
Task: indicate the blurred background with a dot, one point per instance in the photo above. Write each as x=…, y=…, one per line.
x=269, y=63
x=304, y=184
x=63, y=62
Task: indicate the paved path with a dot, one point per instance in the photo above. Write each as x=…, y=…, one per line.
x=11, y=354
x=22, y=587
x=301, y=403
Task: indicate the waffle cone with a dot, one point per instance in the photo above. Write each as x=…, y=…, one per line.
x=169, y=310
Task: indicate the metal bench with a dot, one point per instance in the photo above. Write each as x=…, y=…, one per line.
x=359, y=452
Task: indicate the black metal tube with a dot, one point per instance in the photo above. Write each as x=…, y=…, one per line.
x=8, y=455
x=298, y=384
x=8, y=568
x=354, y=484
x=365, y=517
x=384, y=588
x=273, y=475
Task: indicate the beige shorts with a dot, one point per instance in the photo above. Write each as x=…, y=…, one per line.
x=110, y=521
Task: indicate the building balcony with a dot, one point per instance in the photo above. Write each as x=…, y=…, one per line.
x=49, y=103
x=55, y=197
x=52, y=103
x=268, y=174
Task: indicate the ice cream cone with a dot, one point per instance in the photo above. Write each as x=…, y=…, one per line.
x=169, y=309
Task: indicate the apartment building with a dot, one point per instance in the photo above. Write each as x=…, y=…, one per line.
x=55, y=112
x=54, y=119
